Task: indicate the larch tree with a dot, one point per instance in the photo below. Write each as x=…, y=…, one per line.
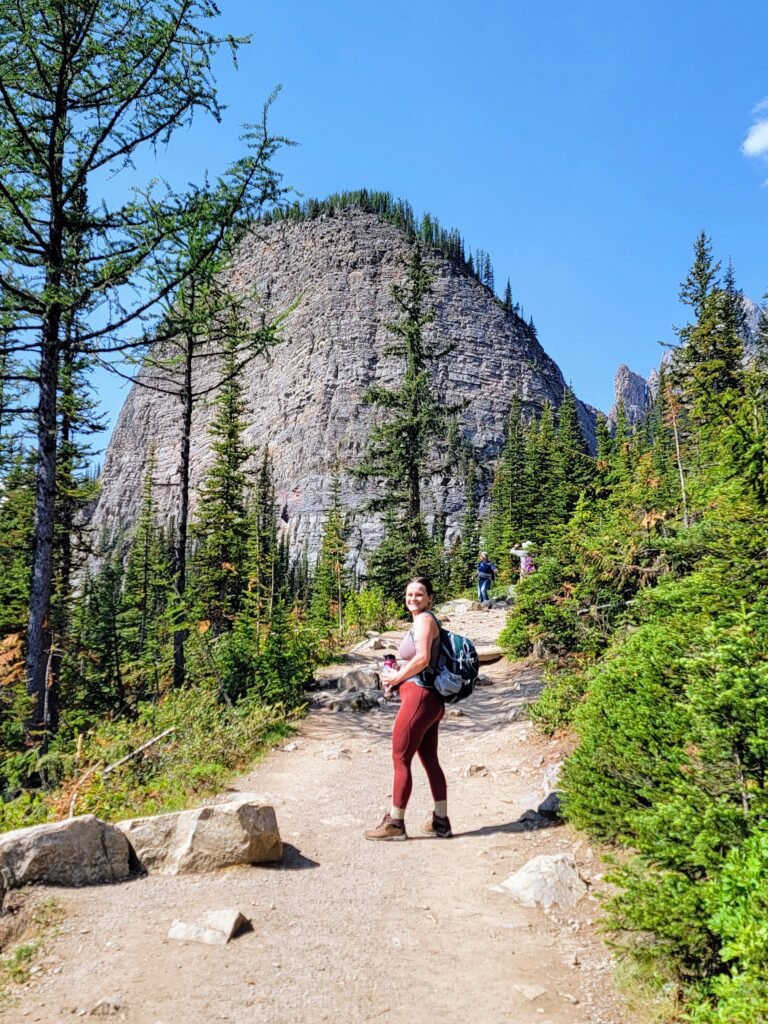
x=85, y=85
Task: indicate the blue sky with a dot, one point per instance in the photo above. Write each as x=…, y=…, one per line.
x=582, y=144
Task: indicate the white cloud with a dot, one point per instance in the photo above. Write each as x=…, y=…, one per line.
x=762, y=105
x=756, y=142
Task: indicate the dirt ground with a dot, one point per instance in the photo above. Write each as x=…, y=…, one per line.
x=351, y=931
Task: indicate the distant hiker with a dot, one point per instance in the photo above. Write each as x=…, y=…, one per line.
x=417, y=722
x=486, y=573
x=523, y=552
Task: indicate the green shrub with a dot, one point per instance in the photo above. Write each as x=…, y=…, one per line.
x=370, y=609
x=558, y=701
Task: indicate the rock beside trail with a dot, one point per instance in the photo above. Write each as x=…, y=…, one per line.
x=489, y=653
x=216, y=928
x=242, y=830
x=547, y=880
x=458, y=607
x=358, y=679
x=78, y=851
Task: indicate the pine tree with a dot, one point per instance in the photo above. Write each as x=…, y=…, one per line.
x=402, y=449
x=329, y=584
x=508, y=297
x=463, y=565
x=87, y=86
x=144, y=624
x=507, y=518
x=573, y=467
x=220, y=530
x=702, y=278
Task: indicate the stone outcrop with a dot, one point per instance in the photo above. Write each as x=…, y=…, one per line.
x=547, y=880
x=305, y=401
x=241, y=830
x=79, y=851
x=633, y=392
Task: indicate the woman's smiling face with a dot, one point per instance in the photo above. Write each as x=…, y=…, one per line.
x=417, y=599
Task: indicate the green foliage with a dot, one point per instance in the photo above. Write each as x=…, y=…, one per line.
x=653, y=596
x=404, y=447
x=329, y=582
x=211, y=742
x=370, y=609
x=556, y=705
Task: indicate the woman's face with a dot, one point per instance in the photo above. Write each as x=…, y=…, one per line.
x=417, y=599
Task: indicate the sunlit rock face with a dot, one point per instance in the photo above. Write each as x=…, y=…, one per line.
x=305, y=401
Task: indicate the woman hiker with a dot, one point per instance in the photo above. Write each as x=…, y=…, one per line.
x=417, y=722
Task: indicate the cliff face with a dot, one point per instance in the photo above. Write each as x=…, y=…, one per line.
x=633, y=392
x=305, y=402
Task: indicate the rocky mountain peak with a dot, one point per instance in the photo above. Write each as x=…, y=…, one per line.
x=305, y=402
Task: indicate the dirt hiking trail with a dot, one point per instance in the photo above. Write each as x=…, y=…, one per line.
x=350, y=931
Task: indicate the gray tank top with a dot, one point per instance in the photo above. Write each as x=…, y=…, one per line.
x=408, y=649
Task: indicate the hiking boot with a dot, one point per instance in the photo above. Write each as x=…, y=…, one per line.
x=439, y=828
x=390, y=828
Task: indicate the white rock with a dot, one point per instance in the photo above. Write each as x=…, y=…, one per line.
x=546, y=880
x=490, y=653
x=215, y=929
x=241, y=830
x=530, y=992
x=108, y=1006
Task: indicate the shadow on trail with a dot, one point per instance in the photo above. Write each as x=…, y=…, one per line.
x=293, y=860
x=522, y=824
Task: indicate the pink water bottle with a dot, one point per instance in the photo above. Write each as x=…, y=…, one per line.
x=389, y=664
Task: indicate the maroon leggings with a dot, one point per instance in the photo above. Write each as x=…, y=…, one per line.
x=415, y=732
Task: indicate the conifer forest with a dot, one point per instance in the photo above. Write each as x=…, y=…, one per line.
x=649, y=601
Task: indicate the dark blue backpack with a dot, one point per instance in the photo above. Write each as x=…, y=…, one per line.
x=457, y=667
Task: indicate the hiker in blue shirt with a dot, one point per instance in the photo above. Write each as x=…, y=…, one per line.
x=486, y=573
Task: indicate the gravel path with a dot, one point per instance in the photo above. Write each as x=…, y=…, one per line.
x=350, y=931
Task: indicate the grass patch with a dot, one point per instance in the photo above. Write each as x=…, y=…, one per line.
x=210, y=743
x=16, y=965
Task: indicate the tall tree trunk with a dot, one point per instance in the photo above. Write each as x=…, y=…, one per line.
x=180, y=554
x=38, y=634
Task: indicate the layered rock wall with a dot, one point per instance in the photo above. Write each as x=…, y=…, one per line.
x=305, y=402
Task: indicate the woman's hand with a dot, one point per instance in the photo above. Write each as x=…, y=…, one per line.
x=387, y=679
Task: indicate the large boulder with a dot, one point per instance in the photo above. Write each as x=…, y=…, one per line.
x=359, y=679
x=546, y=880
x=78, y=851
x=242, y=830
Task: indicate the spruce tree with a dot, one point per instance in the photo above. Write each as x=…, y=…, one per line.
x=329, y=584
x=220, y=530
x=403, y=449
x=507, y=517
x=146, y=599
x=464, y=562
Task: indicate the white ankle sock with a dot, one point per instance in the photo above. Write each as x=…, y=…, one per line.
x=441, y=808
x=398, y=813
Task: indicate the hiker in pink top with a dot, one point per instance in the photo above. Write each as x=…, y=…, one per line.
x=417, y=722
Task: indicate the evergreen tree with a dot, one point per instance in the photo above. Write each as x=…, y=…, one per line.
x=702, y=278
x=329, y=584
x=464, y=562
x=220, y=531
x=573, y=467
x=507, y=518
x=508, y=297
x=87, y=85
x=402, y=449
x=144, y=624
